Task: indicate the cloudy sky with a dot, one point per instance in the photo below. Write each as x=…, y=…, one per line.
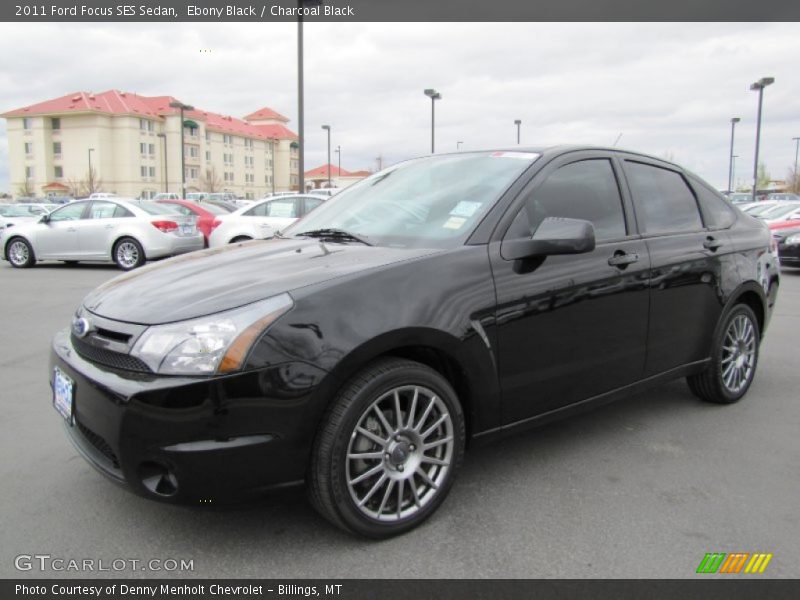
x=669, y=89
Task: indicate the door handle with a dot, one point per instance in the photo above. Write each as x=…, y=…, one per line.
x=72, y=229
x=109, y=227
x=711, y=243
x=622, y=259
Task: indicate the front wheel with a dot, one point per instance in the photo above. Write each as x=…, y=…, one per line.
x=20, y=254
x=733, y=360
x=388, y=450
x=241, y=238
x=128, y=254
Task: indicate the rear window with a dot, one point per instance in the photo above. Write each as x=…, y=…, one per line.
x=214, y=209
x=664, y=202
x=717, y=213
x=157, y=209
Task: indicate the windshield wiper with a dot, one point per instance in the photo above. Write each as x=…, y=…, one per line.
x=334, y=234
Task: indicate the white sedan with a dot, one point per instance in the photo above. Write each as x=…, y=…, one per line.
x=127, y=232
x=262, y=219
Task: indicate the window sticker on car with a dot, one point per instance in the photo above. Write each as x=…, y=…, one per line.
x=465, y=209
x=523, y=155
x=454, y=223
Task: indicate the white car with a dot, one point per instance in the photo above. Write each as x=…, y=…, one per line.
x=101, y=195
x=262, y=219
x=783, y=211
x=128, y=232
x=166, y=196
x=18, y=214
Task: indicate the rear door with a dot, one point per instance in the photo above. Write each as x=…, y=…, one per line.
x=687, y=264
x=97, y=232
x=573, y=326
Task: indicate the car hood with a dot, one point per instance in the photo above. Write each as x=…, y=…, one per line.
x=209, y=281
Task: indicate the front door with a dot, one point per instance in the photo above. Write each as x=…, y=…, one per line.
x=571, y=327
x=59, y=237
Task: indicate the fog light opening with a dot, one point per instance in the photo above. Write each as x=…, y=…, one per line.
x=158, y=479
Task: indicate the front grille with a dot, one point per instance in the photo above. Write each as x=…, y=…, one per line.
x=109, y=358
x=99, y=443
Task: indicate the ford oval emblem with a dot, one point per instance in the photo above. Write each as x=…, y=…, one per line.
x=80, y=327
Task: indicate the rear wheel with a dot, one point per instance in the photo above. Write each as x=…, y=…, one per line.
x=733, y=361
x=388, y=450
x=20, y=254
x=128, y=254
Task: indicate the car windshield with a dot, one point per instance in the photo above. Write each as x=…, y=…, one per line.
x=9, y=210
x=779, y=211
x=427, y=202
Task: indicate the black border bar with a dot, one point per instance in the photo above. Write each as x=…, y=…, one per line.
x=399, y=10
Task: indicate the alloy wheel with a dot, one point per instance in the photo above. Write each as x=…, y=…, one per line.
x=399, y=453
x=127, y=255
x=738, y=353
x=18, y=253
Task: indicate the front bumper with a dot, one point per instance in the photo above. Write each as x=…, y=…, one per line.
x=214, y=438
x=789, y=254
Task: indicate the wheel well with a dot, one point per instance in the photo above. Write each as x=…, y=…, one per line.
x=447, y=367
x=751, y=299
x=240, y=238
x=11, y=239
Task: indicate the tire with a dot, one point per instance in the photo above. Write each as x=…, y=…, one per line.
x=734, y=359
x=393, y=451
x=20, y=253
x=128, y=254
x=241, y=238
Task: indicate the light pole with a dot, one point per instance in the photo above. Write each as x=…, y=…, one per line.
x=339, y=157
x=759, y=86
x=734, y=121
x=91, y=175
x=434, y=96
x=517, y=122
x=733, y=169
x=796, y=141
x=163, y=136
x=328, y=129
x=182, y=107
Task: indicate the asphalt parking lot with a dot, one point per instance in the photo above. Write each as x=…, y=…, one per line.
x=641, y=488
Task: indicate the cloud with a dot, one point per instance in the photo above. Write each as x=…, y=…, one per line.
x=667, y=88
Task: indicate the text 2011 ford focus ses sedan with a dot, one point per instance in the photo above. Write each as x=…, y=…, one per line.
x=442, y=301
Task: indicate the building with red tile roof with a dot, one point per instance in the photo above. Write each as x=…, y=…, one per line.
x=134, y=145
x=318, y=176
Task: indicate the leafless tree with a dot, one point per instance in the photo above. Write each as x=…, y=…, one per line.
x=211, y=182
x=25, y=189
x=90, y=184
x=793, y=181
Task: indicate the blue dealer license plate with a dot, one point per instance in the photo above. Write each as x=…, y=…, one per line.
x=63, y=394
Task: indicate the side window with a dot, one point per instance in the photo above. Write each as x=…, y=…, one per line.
x=664, y=201
x=311, y=204
x=121, y=211
x=285, y=207
x=581, y=190
x=102, y=210
x=71, y=212
x=717, y=214
x=257, y=211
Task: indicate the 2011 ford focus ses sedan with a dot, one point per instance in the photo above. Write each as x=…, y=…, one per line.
x=440, y=302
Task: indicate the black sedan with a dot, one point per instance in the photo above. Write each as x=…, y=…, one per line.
x=788, y=241
x=441, y=302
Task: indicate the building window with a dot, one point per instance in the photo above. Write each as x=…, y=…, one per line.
x=27, y=123
x=190, y=131
x=57, y=149
x=208, y=154
x=248, y=143
x=28, y=148
x=151, y=148
x=191, y=173
x=55, y=124
x=227, y=159
x=29, y=173
x=58, y=172
x=193, y=151
x=151, y=171
x=146, y=125
x=208, y=135
x=143, y=171
x=142, y=148
x=227, y=139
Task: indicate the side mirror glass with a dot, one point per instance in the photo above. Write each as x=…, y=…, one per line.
x=44, y=218
x=555, y=235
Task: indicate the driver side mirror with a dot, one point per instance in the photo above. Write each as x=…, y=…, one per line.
x=555, y=235
x=44, y=218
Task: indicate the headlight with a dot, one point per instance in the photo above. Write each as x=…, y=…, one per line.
x=792, y=240
x=217, y=343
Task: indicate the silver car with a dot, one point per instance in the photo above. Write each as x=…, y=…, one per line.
x=127, y=232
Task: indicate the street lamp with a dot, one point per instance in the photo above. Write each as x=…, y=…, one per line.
x=759, y=86
x=796, y=141
x=339, y=156
x=328, y=129
x=163, y=136
x=301, y=149
x=91, y=176
x=734, y=121
x=517, y=122
x=733, y=168
x=182, y=107
x=434, y=96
